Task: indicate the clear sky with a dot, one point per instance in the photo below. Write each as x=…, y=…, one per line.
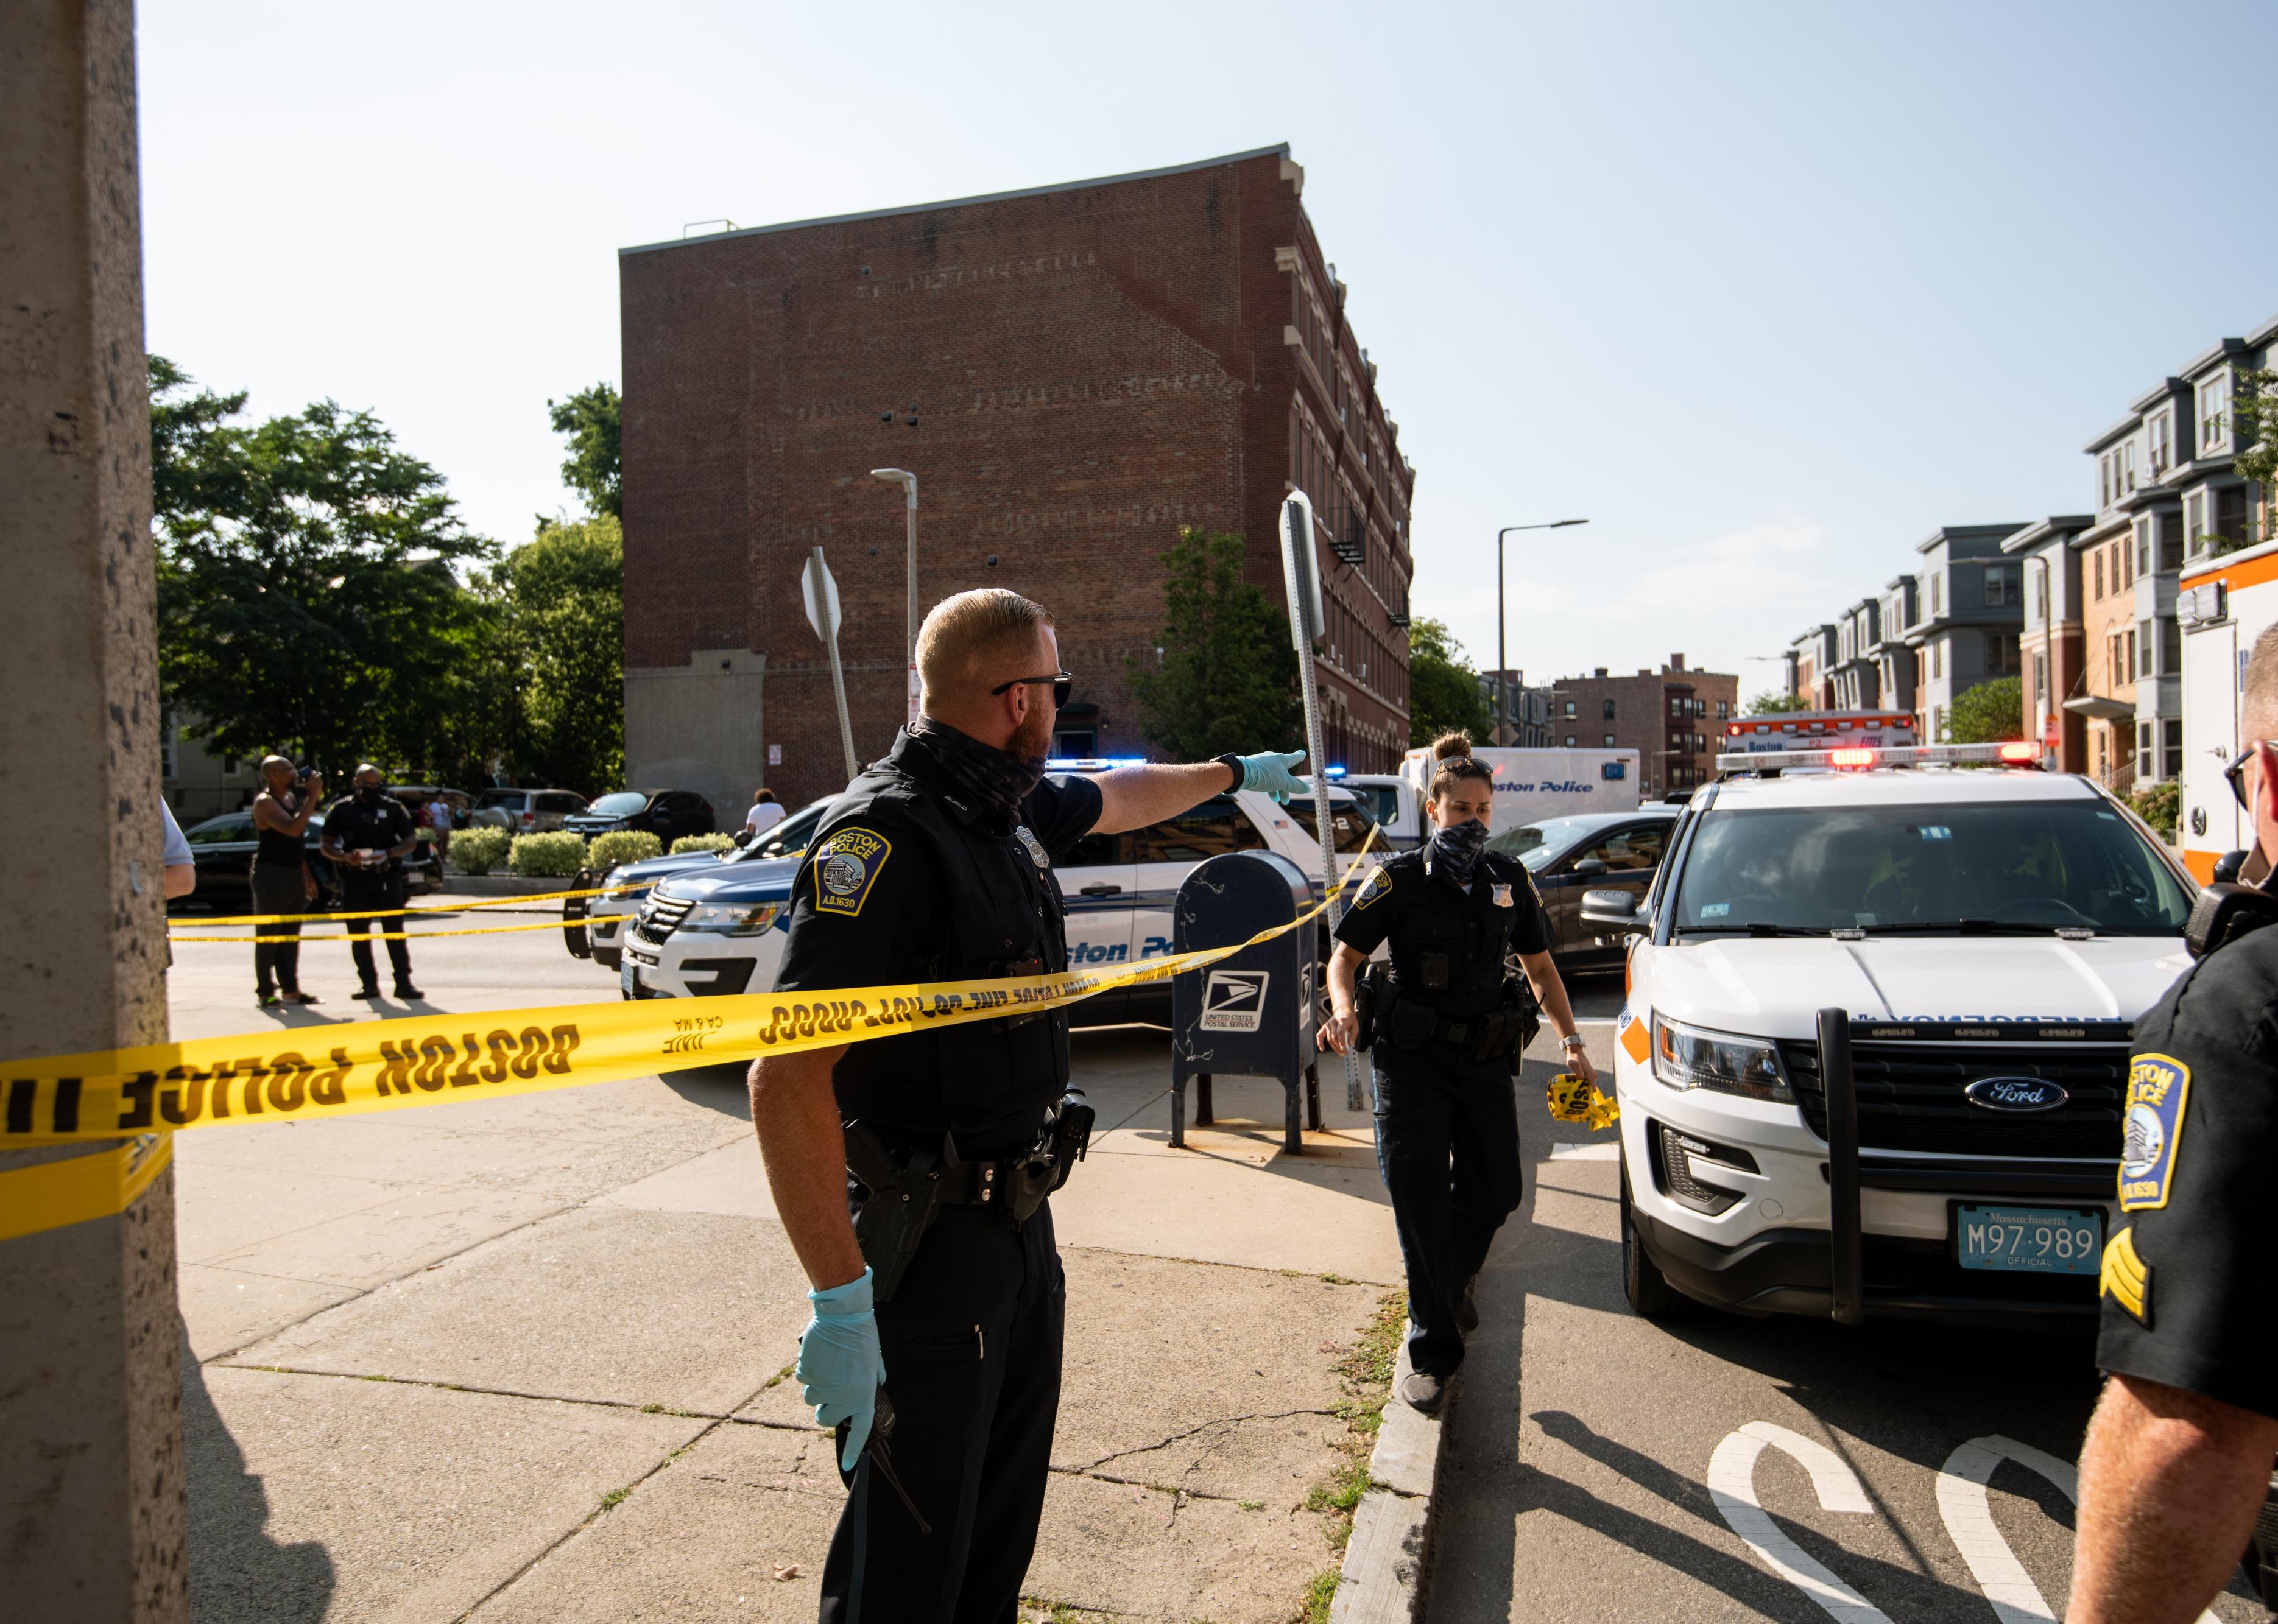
x=1765, y=292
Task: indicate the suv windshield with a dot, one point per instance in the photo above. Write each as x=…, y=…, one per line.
x=623, y=804
x=509, y=798
x=2028, y=866
x=1349, y=822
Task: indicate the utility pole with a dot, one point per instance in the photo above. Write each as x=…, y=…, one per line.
x=909, y=483
x=91, y=1471
x=1502, y=660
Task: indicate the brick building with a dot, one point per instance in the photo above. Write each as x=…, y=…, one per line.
x=1673, y=718
x=1074, y=372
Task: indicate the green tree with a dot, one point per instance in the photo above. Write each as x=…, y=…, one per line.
x=2254, y=412
x=1443, y=690
x=594, y=419
x=1988, y=714
x=1777, y=705
x=308, y=600
x=1228, y=679
x=561, y=604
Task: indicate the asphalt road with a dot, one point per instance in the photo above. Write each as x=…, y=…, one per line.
x=1587, y=1447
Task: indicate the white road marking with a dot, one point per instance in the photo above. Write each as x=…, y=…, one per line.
x=1611, y=1150
x=1969, y=1516
x=1731, y=1484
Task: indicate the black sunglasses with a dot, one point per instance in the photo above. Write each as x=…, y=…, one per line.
x=2235, y=774
x=1063, y=684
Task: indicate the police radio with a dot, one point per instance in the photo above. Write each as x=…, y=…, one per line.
x=2223, y=913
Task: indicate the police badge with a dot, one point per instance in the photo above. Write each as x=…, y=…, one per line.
x=1036, y=847
x=1502, y=896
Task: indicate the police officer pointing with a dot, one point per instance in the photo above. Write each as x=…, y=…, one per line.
x=944, y=1288
x=1446, y=1025
x=2178, y=1457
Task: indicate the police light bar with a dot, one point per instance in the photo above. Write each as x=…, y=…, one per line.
x=1334, y=772
x=1092, y=764
x=2016, y=752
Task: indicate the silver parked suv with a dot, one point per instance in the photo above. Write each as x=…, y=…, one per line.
x=525, y=812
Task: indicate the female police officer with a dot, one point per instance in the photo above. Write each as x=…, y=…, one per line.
x=1443, y=1042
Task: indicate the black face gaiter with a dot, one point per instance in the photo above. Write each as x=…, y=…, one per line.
x=996, y=778
x=1455, y=851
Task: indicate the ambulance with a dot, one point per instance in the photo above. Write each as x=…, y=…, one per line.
x=1531, y=785
x=2224, y=605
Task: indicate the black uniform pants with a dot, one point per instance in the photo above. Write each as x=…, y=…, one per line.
x=278, y=890
x=1447, y=1139
x=972, y=1347
x=367, y=890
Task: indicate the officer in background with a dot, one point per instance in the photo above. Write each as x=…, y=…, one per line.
x=946, y=1287
x=1446, y=1025
x=367, y=835
x=2178, y=1457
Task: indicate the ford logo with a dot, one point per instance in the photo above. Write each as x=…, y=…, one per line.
x=2016, y=1094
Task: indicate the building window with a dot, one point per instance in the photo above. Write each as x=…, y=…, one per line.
x=2001, y=584
x=1609, y=710
x=2100, y=577
x=2161, y=430
x=1937, y=660
x=2040, y=670
x=2195, y=522
x=2171, y=645
x=1609, y=745
x=1569, y=714
x=1570, y=741
x=2173, y=763
x=2104, y=480
x=2000, y=653
x=2129, y=668
x=1723, y=709
x=1937, y=724
x=2215, y=413
x=2143, y=748
x=2126, y=567
x=2143, y=565
x=1933, y=596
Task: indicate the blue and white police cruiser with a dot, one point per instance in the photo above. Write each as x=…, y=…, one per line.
x=1947, y=1146
x=720, y=930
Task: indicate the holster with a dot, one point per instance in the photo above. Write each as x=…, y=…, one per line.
x=1370, y=995
x=1518, y=997
x=1063, y=1143
x=900, y=1204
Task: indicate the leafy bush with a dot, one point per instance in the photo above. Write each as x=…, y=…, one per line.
x=703, y=843
x=621, y=846
x=557, y=855
x=479, y=850
x=2158, y=805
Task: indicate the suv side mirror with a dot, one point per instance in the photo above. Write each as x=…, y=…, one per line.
x=1616, y=908
x=1590, y=865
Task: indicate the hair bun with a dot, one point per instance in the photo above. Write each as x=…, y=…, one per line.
x=1452, y=746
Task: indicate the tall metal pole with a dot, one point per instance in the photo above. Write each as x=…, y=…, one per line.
x=1301, y=573
x=1502, y=660
x=909, y=483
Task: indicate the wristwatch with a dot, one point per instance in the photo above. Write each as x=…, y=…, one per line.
x=1571, y=1040
x=1232, y=763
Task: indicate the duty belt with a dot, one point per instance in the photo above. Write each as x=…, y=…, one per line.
x=1479, y=1037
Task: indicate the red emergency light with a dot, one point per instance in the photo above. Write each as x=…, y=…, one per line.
x=2021, y=751
x=1855, y=756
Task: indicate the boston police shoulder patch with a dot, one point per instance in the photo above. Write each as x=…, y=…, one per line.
x=2153, y=1118
x=847, y=865
x=1380, y=885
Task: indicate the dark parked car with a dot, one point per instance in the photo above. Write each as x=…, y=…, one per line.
x=222, y=850
x=1590, y=851
x=668, y=814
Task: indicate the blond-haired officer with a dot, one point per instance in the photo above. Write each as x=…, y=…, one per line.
x=945, y=1289
x=2178, y=1457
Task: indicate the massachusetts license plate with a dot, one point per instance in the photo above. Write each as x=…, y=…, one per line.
x=2048, y=1240
x=625, y=976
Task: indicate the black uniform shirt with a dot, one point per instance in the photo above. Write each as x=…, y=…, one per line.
x=382, y=825
x=2190, y=1286
x=1428, y=916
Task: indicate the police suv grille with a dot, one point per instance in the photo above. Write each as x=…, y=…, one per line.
x=1910, y=1097
x=660, y=916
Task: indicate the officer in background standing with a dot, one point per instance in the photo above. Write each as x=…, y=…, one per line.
x=946, y=1288
x=367, y=835
x=1445, y=1029
x=2177, y=1458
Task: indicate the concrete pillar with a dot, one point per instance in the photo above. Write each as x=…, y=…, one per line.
x=91, y=1511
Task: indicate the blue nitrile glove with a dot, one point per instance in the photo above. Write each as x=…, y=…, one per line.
x=1268, y=772
x=840, y=1369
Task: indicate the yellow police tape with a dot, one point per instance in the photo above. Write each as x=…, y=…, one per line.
x=389, y=935
x=363, y=1066
x=390, y=914
x=1572, y=1100
x=55, y=1194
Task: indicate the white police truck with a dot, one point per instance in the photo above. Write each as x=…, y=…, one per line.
x=1874, y=1052
x=720, y=930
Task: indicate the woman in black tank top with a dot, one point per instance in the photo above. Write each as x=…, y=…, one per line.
x=281, y=883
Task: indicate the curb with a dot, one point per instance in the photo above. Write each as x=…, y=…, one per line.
x=1386, y=1557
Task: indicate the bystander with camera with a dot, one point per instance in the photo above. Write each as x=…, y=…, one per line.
x=282, y=884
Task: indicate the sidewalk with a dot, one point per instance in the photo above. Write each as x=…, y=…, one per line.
x=525, y=1359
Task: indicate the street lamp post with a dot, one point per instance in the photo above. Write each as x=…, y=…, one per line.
x=1502, y=663
x=909, y=483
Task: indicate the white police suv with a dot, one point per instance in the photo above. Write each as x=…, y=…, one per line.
x=720, y=930
x=1874, y=1045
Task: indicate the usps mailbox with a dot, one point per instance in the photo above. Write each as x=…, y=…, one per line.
x=1251, y=1014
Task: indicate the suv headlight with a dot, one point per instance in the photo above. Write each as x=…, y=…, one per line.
x=732, y=919
x=1688, y=1058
